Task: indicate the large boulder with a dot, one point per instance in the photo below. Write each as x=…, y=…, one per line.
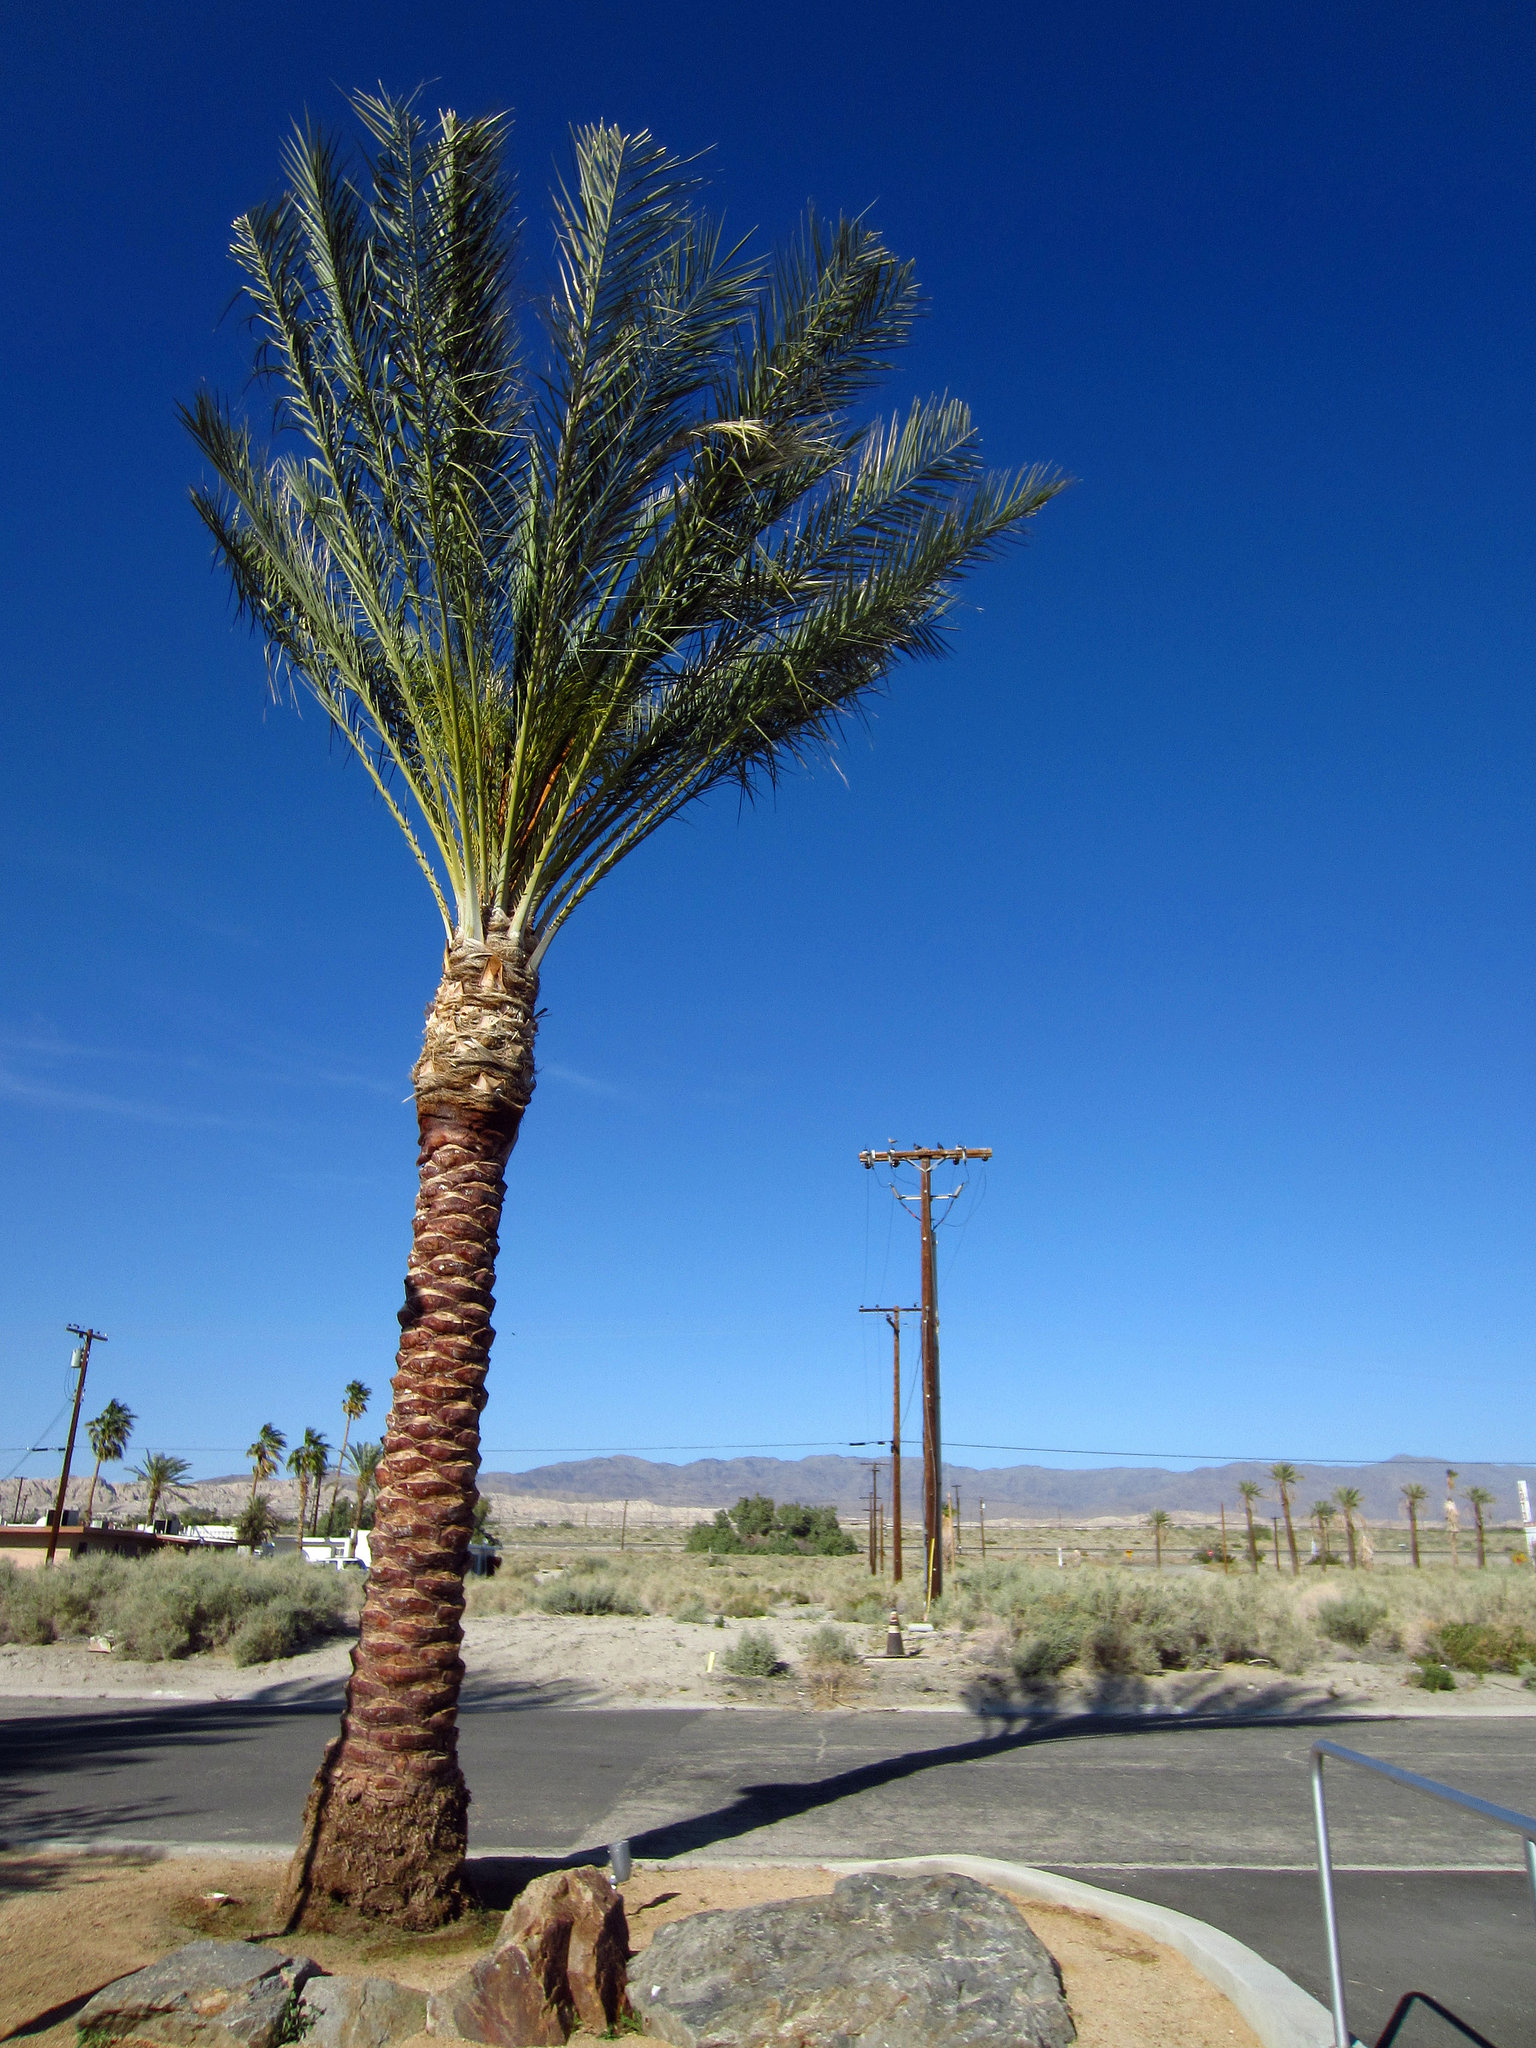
x=359, y=2012
x=571, y=1926
x=559, y=1961
x=500, y=1999
x=887, y=1961
x=209, y=1994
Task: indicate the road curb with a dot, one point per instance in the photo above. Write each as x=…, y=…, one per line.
x=1277, y=2009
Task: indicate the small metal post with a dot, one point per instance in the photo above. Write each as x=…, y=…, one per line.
x=1330, y=1913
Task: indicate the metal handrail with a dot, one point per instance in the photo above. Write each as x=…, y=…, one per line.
x=1521, y=1824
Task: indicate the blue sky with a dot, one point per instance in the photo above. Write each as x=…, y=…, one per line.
x=1197, y=883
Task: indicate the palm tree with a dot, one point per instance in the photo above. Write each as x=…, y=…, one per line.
x=317, y=1453
x=1251, y=1491
x=364, y=1460
x=163, y=1475
x=354, y=1404
x=265, y=1454
x=549, y=611
x=1323, y=1512
x=1481, y=1500
x=301, y=1463
x=1413, y=1493
x=256, y=1523
x=108, y=1435
x=1160, y=1519
x=1348, y=1498
x=1285, y=1477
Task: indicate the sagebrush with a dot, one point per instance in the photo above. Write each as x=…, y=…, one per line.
x=159, y=1608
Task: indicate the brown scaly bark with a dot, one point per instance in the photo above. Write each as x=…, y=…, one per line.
x=386, y=1826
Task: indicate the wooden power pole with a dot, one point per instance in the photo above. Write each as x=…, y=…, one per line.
x=924, y=1158
x=81, y=1360
x=893, y=1316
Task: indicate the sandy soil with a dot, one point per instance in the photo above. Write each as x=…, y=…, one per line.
x=651, y=1660
x=68, y=1925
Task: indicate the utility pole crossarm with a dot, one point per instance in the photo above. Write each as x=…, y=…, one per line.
x=925, y=1155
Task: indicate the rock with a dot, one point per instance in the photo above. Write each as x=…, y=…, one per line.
x=572, y=1928
x=360, y=2012
x=559, y=1960
x=209, y=1994
x=886, y=1962
x=498, y=1999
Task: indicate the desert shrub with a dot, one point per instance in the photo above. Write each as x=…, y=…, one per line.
x=1353, y=1618
x=1433, y=1677
x=1046, y=1652
x=153, y=1609
x=689, y=1608
x=865, y=1607
x=1482, y=1646
x=169, y=1608
x=292, y=1622
x=1125, y=1623
x=744, y=1603
x=829, y=1645
x=788, y=1530
x=585, y=1593
x=754, y=1654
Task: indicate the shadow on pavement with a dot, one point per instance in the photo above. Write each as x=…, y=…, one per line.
x=1405, y=2006
x=761, y=1806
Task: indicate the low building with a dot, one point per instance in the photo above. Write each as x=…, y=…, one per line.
x=26, y=1543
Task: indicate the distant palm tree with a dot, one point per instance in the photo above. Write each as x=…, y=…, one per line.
x=162, y=1475
x=256, y=1523
x=301, y=1463
x=550, y=603
x=1413, y=1493
x=1323, y=1512
x=265, y=1454
x=1285, y=1477
x=109, y=1435
x=1348, y=1498
x=318, y=1453
x=1160, y=1520
x=364, y=1460
x=1251, y=1491
x=1481, y=1500
x=354, y=1404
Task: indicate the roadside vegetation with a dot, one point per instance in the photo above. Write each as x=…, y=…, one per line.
x=154, y=1609
x=1034, y=1625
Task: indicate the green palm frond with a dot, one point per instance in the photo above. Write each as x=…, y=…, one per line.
x=550, y=610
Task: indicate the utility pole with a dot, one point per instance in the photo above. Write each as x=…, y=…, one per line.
x=983, y=1532
x=874, y=1509
x=924, y=1158
x=893, y=1316
x=81, y=1360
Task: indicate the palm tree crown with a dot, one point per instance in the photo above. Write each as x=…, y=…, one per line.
x=549, y=614
x=108, y=1435
x=163, y=1475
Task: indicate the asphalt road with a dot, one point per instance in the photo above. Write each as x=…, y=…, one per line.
x=1213, y=1819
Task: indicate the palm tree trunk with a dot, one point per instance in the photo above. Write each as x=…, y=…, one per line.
x=340, y=1461
x=303, y=1507
x=1349, y=1536
x=386, y=1827
x=90, y=1498
x=1482, y=1554
x=1290, y=1537
x=1413, y=1533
